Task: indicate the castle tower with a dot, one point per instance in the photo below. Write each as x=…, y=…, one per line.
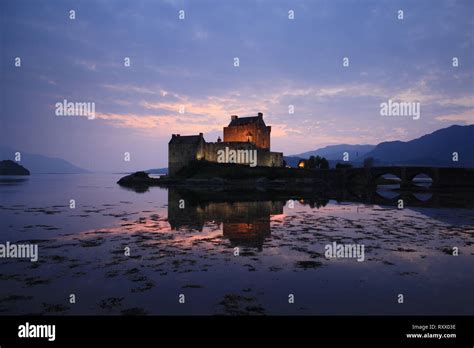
x=248, y=129
x=183, y=149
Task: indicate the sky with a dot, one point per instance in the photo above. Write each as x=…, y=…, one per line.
x=189, y=64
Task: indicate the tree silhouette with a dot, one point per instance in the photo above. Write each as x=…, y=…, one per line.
x=317, y=163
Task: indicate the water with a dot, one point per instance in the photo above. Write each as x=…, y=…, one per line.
x=190, y=251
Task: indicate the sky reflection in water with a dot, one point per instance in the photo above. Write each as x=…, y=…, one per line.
x=190, y=251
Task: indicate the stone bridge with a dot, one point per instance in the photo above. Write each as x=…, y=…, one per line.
x=442, y=177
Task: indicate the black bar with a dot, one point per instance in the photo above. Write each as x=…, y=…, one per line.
x=194, y=330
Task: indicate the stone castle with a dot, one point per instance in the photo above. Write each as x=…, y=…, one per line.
x=244, y=133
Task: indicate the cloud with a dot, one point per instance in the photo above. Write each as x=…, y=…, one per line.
x=133, y=88
x=466, y=117
x=200, y=34
x=325, y=114
x=163, y=125
x=88, y=65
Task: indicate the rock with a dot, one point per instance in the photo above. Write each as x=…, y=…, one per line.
x=140, y=179
x=9, y=167
x=135, y=179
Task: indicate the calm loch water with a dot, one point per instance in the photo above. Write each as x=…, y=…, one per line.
x=189, y=250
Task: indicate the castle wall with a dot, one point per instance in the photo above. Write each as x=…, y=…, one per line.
x=179, y=155
x=211, y=149
x=270, y=159
x=264, y=158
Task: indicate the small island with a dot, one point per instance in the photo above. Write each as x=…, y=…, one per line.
x=9, y=167
x=204, y=173
x=243, y=159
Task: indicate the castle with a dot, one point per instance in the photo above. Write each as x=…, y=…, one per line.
x=242, y=135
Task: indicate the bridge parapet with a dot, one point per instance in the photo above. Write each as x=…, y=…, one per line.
x=442, y=177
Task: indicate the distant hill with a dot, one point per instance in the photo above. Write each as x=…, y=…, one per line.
x=38, y=164
x=291, y=161
x=12, y=168
x=435, y=149
x=335, y=152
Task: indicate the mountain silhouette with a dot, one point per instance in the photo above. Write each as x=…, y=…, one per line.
x=432, y=149
x=336, y=152
x=39, y=164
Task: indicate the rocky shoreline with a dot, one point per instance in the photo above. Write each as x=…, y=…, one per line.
x=217, y=175
x=142, y=179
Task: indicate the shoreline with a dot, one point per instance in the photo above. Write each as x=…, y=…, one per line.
x=278, y=179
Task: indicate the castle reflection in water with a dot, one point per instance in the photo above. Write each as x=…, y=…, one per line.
x=246, y=215
x=244, y=223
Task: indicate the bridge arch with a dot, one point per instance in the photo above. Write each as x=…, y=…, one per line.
x=421, y=179
x=380, y=179
x=420, y=176
x=441, y=177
